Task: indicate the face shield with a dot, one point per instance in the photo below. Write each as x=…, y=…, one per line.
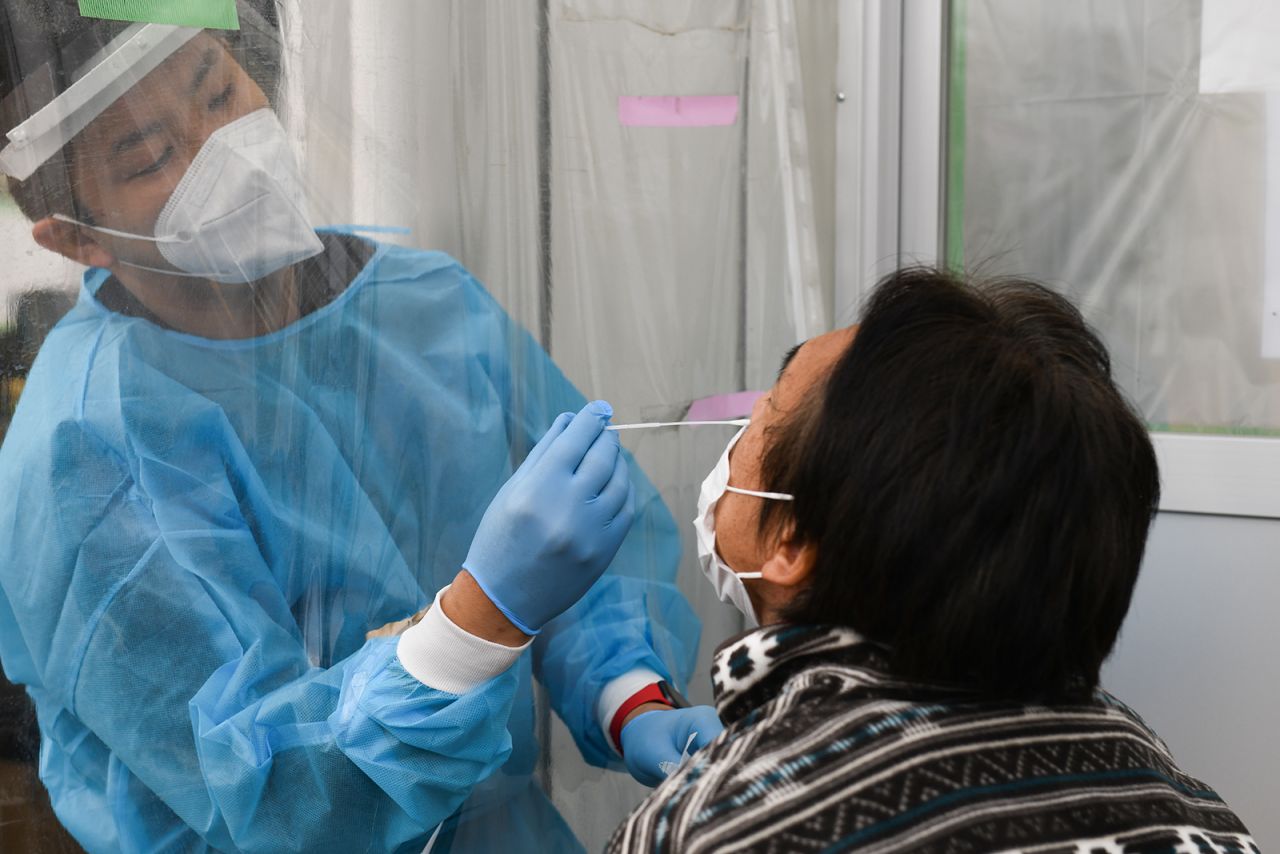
x=158, y=142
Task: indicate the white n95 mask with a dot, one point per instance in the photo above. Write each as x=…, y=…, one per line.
x=727, y=583
x=239, y=213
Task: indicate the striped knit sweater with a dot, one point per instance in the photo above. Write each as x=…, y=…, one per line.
x=825, y=751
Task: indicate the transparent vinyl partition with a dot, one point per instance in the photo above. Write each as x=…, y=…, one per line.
x=1129, y=153
x=423, y=229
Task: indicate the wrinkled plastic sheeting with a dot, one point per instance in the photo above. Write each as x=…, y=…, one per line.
x=685, y=258
x=1093, y=161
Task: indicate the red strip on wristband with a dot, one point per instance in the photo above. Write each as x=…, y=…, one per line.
x=648, y=694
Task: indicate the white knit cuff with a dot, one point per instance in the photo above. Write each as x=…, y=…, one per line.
x=443, y=656
x=617, y=692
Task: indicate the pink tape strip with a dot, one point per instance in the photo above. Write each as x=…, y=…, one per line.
x=677, y=111
x=723, y=407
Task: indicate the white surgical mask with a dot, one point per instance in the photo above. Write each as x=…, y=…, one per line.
x=239, y=213
x=727, y=583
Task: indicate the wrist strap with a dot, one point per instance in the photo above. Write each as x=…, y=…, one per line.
x=648, y=694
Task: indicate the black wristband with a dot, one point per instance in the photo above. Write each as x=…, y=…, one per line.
x=674, y=697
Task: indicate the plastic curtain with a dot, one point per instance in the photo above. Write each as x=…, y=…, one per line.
x=658, y=264
x=1086, y=153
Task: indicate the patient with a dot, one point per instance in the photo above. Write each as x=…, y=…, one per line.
x=943, y=522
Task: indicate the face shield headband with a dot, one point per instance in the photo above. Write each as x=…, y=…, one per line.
x=101, y=81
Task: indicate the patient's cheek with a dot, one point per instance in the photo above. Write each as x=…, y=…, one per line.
x=735, y=531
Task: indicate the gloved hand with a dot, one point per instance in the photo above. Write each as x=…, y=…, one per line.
x=555, y=526
x=661, y=735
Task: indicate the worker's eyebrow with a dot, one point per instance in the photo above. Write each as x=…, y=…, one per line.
x=786, y=360
x=133, y=140
x=207, y=61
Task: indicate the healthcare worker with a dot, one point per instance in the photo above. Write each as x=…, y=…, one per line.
x=250, y=446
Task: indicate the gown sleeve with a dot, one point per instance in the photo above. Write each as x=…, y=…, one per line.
x=633, y=618
x=188, y=665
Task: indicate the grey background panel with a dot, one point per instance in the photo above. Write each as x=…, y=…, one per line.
x=1199, y=656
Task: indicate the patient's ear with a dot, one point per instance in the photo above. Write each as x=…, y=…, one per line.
x=71, y=241
x=791, y=563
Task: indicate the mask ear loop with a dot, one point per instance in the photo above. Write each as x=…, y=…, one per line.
x=129, y=235
x=181, y=237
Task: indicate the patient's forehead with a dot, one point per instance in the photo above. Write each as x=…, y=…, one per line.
x=810, y=364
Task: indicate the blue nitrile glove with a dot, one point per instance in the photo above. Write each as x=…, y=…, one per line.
x=660, y=736
x=554, y=527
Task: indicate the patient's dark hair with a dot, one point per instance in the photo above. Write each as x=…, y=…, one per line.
x=977, y=488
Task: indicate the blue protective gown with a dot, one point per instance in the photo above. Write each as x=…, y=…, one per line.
x=198, y=534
